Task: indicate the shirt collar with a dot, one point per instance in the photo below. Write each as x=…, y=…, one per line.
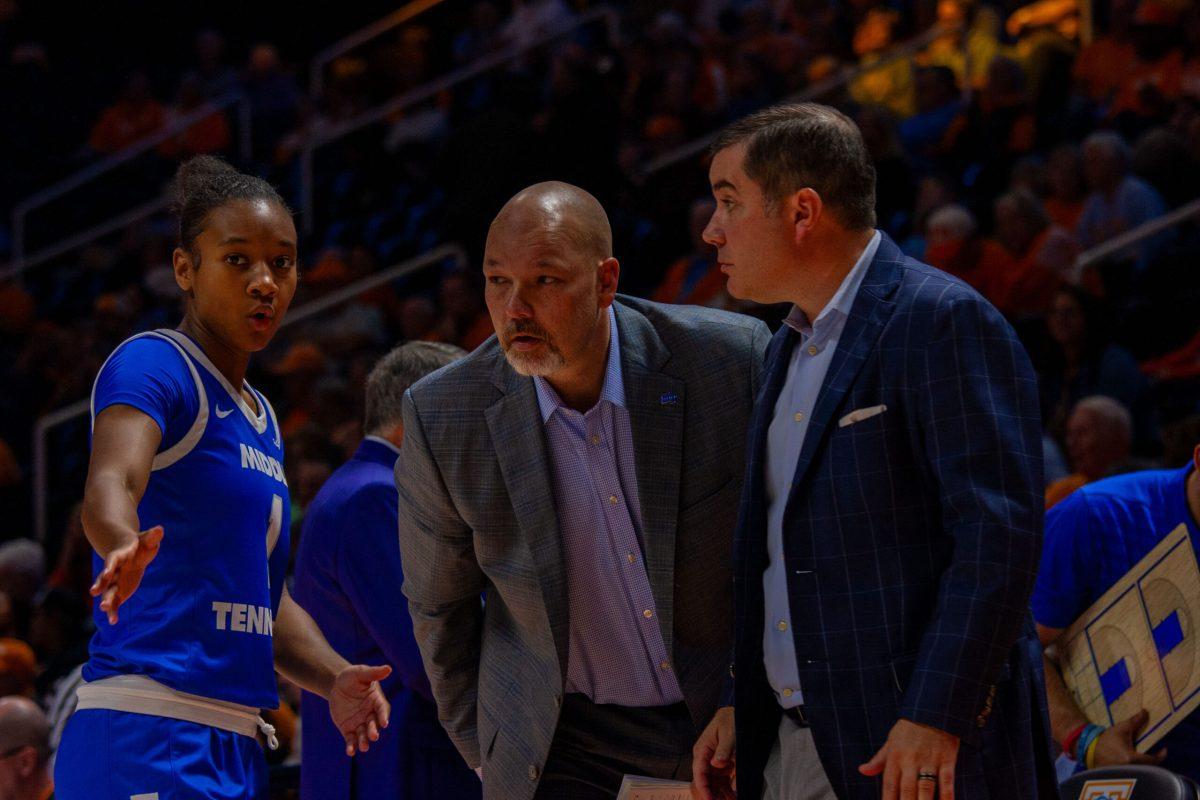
x=842, y=300
x=384, y=442
x=613, y=389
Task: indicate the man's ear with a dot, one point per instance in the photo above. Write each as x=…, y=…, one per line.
x=607, y=275
x=181, y=262
x=804, y=209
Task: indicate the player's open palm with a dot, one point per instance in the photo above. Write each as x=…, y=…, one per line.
x=358, y=707
x=123, y=570
x=1116, y=745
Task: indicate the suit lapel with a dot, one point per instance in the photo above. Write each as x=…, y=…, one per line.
x=519, y=442
x=655, y=401
x=869, y=313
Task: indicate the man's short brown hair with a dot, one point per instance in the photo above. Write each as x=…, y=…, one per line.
x=796, y=145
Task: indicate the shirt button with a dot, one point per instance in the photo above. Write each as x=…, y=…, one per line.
x=630, y=557
x=786, y=693
x=665, y=666
x=647, y=613
x=612, y=498
x=595, y=439
x=799, y=415
x=781, y=625
x=533, y=772
x=812, y=350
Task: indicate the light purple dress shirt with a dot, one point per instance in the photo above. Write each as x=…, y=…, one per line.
x=616, y=653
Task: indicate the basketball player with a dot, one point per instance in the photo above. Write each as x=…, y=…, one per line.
x=186, y=507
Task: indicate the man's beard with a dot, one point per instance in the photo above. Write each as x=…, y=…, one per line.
x=546, y=362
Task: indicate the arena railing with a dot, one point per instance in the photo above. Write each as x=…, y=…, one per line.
x=839, y=80
x=447, y=253
x=1122, y=241
x=429, y=91
x=352, y=41
x=106, y=165
x=92, y=234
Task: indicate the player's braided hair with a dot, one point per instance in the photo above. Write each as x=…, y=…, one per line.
x=204, y=183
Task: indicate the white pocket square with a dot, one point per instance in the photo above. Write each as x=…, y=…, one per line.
x=859, y=414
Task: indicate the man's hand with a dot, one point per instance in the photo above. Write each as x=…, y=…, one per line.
x=714, y=772
x=123, y=570
x=1115, y=745
x=910, y=749
x=358, y=707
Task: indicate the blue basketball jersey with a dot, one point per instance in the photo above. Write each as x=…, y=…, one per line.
x=201, y=621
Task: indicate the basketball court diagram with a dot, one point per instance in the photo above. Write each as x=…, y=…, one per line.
x=1136, y=647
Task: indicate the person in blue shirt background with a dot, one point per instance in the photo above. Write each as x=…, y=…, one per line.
x=348, y=578
x=1093, y=537
x=186, y=508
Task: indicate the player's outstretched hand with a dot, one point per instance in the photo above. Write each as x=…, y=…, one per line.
x=358, y=707
x=123, y=569
x=1116, y=745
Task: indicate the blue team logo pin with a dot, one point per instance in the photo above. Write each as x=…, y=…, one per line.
x=669, y=399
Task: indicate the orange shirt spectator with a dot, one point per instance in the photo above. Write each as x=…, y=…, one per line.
x=135, y=115
x=209, y=134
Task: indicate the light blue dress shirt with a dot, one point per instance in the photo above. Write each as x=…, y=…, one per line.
x=616, y=653
x=805, y=377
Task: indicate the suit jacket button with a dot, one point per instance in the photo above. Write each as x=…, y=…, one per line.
x=533, y=772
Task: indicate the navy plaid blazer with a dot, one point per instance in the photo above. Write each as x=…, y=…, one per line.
x=911, y=539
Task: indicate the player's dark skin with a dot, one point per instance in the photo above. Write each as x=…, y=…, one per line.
x=239, y=277
x=1115, y=745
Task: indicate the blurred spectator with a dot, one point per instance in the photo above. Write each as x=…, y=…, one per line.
x=983, y=40
x=1099, y=442
x=24, y=751
x=695, y=278
x=22, y=569
x=954, y=245
x=73, y=570
x=274, y=97
x=930, y=133
x=209, y=134
x=8, y=623
x=1064, y=186
x=1084, y=361
x=58, y=633
x=18, y=667
x=1180, y=364
x=1154, y=76
x=1161, y=158
x=214, y=77
x=1104, y=64
x=532, y=19
x=891, y=83
x=465, y=321
x=1041, y=252
x=134, y=116
x=300, y=368
x=482, y=35
x=1118, y=201
x=418, y=319
x=895, y=179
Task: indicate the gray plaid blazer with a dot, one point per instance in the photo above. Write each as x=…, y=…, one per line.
x=477, y=516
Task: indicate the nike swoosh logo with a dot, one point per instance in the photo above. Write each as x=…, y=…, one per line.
x=223, y=414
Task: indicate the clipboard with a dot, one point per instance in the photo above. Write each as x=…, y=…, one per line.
x=636, y=787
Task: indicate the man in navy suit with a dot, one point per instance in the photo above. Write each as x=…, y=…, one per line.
x=891, y=516
x=348, y=580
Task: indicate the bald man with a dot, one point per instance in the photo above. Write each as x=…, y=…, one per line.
x=581, y=468
x=24, y=751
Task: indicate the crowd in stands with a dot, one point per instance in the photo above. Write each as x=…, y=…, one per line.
x=1010, y=142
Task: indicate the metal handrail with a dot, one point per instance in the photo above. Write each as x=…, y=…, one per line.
x=88, y=236
x=429, y=90
x=132, y=151
x=1133, y=236
x=304, y=312
x=841, y=78
x=316, y=70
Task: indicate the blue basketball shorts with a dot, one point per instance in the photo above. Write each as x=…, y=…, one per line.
x=116, y=755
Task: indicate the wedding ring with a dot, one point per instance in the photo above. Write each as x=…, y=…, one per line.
x=926, y=775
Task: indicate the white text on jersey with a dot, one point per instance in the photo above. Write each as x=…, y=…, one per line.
x=253, y=459
x=244, y=618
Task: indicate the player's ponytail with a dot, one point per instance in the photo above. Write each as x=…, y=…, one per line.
x=204, y=183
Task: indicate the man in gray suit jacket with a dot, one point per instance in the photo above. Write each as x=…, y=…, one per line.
x=582, y=469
